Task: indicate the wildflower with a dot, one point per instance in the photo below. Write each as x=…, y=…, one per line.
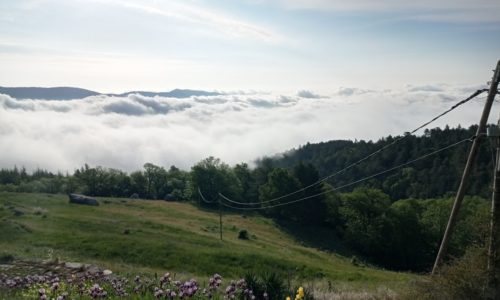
x=172, y=295
x=288, y=298
x=41, y=294
x=165, y=279
x=97, y=292
x=158, y=293
x=300, y=293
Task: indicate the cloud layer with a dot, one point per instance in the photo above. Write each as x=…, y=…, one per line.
x=126, y=132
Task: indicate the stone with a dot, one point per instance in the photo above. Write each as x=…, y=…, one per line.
x=73, y=265
x=93, y=269
x=134, y=196
x=107, y=272
x=82, y=199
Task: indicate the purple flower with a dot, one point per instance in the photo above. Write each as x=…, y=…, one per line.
x=97, y=292
x=158, y=293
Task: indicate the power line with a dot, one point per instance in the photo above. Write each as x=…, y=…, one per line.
x=406, y=134
x=351, y=183
x=203, y=197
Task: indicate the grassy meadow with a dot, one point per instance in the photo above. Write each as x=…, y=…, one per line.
x=141, y=236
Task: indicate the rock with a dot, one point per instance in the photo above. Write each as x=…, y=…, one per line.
x=107, y=272
x=134, y=196
x=81, y=199
x=73, y=265
x=93, y=269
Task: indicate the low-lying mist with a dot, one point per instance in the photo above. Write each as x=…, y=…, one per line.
x=126, y=132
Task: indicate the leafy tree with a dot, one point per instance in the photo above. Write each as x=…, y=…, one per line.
x=364, y=217
x=313, y=208
x=249, y=188
x=264, y=167
x=177, y=183
x=138, y=183
x=406, y=244
x=280, y=182
x=156, y=181
x=211, y=177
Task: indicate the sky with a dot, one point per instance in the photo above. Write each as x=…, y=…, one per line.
x=289, y=72
x=271, y=45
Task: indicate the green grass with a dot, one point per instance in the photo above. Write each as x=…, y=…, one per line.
x=166, y=236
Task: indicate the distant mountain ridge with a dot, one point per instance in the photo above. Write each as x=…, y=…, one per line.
x=70, y=93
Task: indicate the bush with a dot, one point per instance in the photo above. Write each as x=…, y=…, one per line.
x=6, y=258
x=243, y=234
x=463, y=278
x=270, y=283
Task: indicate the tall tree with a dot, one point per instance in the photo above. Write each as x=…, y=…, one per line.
x=313, y=208
x=211, y=176
x=156, y=181
x=280, y=182
x=249, y=188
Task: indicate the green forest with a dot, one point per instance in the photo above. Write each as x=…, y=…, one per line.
x=394, y=221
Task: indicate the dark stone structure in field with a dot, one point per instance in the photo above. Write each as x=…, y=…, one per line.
x=81, y=199
x=134, y=196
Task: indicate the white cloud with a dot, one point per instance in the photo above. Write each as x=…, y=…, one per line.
x=183, y=11
x=308, y=94
x=126, y=132
x=444, y=11
x=349, y=91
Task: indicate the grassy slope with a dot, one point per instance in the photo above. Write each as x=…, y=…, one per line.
x=164, y=236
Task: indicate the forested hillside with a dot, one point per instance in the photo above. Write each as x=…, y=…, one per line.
x=431, y=177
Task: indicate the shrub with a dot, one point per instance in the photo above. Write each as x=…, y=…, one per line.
x=6, y=258
x=243, y=234
x=463, y=278
x=274, y=285
x=270, y=283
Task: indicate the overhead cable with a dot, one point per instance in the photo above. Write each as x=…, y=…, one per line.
x=330, y=190
x=203, y=197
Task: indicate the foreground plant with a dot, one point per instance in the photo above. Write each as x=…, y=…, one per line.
x=100, y=286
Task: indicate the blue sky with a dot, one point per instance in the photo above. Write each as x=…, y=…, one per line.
x=271, y=45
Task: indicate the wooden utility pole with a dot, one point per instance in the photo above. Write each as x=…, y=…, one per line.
x=468, y=167
x=220, y=219
x=493, y=291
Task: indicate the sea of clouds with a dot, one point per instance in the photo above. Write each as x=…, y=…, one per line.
x=126, y=132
